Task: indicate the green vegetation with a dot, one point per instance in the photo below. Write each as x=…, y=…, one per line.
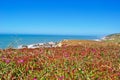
x=82, y=62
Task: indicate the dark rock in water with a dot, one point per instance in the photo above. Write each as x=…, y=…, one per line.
x=36, y=45
x=24, y=46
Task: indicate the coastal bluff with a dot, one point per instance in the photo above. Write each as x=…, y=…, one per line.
x=115, y=38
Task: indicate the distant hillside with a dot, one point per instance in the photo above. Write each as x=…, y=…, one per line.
x=112, y=38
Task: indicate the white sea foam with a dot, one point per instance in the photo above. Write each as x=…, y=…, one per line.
x=38, y=45
x=104, y=38
x=97, y=40
x=27, y=46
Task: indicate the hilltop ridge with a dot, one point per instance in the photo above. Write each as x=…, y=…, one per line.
x=112, y=38
x=116, y=35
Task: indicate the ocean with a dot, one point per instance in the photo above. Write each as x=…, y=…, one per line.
x=12, y=40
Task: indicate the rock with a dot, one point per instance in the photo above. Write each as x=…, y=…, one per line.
x=59, y=44
x=41, y=45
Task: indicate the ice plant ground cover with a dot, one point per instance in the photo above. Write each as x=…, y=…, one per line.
x=82, y=62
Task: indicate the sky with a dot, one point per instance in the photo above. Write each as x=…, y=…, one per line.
x=67, y=17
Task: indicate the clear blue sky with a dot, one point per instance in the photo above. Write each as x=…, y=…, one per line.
x=76, y=17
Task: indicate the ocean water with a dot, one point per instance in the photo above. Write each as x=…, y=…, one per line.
x=12, y=40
